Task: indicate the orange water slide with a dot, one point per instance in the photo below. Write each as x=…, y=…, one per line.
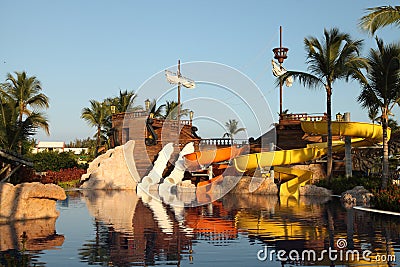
x=198, y=160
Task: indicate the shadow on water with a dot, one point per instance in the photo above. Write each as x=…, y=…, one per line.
x=132, y=232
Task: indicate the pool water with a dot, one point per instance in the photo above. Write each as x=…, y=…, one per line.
x=117, y=228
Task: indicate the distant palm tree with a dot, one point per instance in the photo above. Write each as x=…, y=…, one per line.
x=379, y=17
x=170, y=109
x=156, y=111
x=26, y=94
x=123, y=102
x=96, y=116
x=334, y=57
x=393, y=125
x=232, y=129
x=381, y=90
x=373, y=114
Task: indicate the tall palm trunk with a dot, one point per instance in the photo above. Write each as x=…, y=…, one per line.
x=385, y=161
x=21, y=108
x=98, y=139
x=329, y=123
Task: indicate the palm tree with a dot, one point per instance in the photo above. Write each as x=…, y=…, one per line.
x=380, y=90
x=26, y=96
x=232, y=129
x=334, y=57
x=393, y=125
x=26, y=91
x=123, y=102
x=96, y=116
x=8, y=122
x=13, y=132
x=157, y=111
x=373, y=114
x=170, y=109
x=379, y=17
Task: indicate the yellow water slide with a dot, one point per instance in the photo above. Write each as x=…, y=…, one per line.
x=362, y=134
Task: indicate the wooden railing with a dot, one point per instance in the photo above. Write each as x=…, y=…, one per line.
x=223, y=141
x=130, y=115
x=218, y=142
x=186, y=122
x=303, y=116
x=175, y=122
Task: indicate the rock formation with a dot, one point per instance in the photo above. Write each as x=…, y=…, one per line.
x=356, y=196
x=313, y=190
x=261, y=186
x=29, y=201
x=110, y=170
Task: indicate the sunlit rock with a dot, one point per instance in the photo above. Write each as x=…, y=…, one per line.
x=313, y=190
x=264, y=186
x=356, y=196
x=110, y=170
x=29, y=201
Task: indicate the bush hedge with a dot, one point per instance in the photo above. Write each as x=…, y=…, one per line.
x=53, y=161
x=340, y=184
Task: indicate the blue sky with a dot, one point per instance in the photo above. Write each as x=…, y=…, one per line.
x=82, y=50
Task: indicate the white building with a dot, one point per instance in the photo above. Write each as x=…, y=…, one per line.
x=57, y=147
x=50, y=146
x=77, y=150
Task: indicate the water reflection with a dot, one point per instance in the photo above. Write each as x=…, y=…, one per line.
x=112, y=207
x=21, y=241
x=127, y=232
x=130, y=231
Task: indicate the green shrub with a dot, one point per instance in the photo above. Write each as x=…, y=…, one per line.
x=53, y=161
x=340, y=184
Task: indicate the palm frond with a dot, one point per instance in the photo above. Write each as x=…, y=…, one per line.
x=379, y=17
x=306, y=79
x=380, y=91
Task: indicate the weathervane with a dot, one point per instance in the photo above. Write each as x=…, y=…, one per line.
x=177, y=78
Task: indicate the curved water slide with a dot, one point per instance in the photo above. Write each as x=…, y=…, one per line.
x=362, y=134
x=368, y=132
x=198, y=160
